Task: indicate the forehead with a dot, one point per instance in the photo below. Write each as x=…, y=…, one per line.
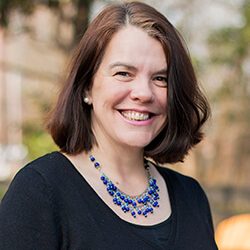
x=133, y=45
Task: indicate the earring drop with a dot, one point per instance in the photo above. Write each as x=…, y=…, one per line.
x=86, y=100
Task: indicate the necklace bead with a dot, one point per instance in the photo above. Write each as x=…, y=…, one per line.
x=142, y=204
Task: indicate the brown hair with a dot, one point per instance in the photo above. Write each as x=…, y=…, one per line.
x=187, y=108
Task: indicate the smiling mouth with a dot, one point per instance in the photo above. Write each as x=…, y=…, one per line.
x=136, y=116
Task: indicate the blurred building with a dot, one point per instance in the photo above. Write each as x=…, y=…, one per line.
x=32, y=65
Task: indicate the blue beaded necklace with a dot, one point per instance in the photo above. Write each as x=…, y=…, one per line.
x=142, y=204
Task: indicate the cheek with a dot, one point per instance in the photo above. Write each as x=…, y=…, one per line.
x=162, y=99
x=110, y=94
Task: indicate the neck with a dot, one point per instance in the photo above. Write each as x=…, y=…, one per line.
x=119, y=161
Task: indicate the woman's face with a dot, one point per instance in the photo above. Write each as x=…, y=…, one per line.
x=129, y=93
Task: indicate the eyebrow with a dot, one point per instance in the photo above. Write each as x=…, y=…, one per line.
x=161, y=72
x=131, y=67
x=120, y=64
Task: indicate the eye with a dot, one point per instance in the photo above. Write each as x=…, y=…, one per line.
x=160, y=81
x=123, y=76
x=122, y=73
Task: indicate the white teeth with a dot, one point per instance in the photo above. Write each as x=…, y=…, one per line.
x=135, y=116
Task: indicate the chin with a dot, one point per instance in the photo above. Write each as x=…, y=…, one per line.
x=137, y=142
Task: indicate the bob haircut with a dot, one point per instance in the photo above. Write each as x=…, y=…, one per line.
x=187, y=108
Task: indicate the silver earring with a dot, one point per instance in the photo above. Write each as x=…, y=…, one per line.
x=86, y=100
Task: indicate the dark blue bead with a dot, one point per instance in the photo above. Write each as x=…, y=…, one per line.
x=152, y=182
x=110, y=186
x=97, y=164
x=155, y=204
x=111, y=193
x=92, y=158
x=148, y=200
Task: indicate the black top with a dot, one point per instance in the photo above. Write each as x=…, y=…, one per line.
x=49, y=205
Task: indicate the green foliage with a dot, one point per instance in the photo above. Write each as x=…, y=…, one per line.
x=37, y=141
x=27, y=7
x=79, y=20
x=6, y=6
x=230, y=44
x=223, y=92
x=229, y=49
x=224, y=45
x=3, y=188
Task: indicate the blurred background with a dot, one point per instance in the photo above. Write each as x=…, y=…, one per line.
x=37, y=38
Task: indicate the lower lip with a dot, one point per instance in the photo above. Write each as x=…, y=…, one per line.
x=138, y=123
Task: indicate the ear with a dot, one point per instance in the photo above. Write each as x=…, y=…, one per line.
x=87, y=98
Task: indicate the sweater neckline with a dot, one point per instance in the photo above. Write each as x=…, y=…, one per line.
x=172, y=217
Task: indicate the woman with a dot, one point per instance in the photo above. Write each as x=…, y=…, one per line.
x=131, y=95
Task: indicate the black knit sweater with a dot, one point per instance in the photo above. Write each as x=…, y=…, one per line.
x=49, y=205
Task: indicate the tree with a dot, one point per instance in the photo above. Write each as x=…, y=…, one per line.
x=79, y=20
x=230, y=47
x=230, y=53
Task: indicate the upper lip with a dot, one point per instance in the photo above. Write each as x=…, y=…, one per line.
x=137, y=110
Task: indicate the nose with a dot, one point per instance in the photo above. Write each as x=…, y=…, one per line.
x=142, y=91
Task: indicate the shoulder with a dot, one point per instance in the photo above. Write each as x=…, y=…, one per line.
x=40, y=174
x=50, y=165
x=178, y=179
x=187, y=192
x=48, y=162
x=184, y=187
x=34, y=173
x=38, y=184
x=190, y=203
x=28, y=209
